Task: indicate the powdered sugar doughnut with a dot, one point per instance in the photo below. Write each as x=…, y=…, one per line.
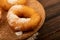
x=23, y=18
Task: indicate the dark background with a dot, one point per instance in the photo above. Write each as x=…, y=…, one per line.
x=51, y=28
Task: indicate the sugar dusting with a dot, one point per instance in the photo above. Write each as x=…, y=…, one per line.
x=11, y=18
x=17, y=6
x=23, y=20
x=12, y=1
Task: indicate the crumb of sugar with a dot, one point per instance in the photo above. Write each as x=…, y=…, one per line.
x=19, y=33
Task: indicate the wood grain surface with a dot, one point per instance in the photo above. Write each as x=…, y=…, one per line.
x=51, y=28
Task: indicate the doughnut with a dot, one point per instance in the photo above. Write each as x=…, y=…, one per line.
x=6, y=4
x=23, y=18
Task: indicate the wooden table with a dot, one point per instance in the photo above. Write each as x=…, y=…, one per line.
x=51, y=28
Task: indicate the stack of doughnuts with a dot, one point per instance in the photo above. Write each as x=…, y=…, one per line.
x=23, y=17
x=20, y=17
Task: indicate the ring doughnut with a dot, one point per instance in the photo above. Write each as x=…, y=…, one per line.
x=23, y=18
x=6, y=4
